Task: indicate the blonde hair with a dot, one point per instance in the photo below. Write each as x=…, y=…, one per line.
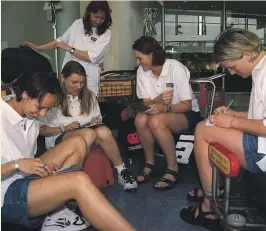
x=233, y=43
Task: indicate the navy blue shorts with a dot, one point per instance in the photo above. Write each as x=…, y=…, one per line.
x=250, y=144
x=15, y=207
x=192, y=119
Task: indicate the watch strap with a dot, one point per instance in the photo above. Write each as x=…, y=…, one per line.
x=17, y=164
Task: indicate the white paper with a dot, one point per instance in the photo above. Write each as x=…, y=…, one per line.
x=208, y=123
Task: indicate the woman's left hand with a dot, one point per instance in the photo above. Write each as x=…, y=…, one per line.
x=222, y=120
x=156, y=108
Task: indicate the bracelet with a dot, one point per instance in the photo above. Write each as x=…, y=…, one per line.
x=62, y=128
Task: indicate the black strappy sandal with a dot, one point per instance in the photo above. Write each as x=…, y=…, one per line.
x=144, y=174
x=170, y=183
x=196, y=198
x=188, y=215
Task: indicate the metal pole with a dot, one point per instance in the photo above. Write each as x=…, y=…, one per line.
x=163, y=25
x=55, y=37
x=223, y=28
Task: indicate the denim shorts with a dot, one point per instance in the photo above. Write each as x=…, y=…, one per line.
x=15, y=207
x=250, y=144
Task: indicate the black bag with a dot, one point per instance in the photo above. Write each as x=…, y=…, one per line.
x=22, y=60
x=128, y=139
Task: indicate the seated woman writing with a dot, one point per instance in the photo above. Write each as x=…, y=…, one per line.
x=78, y=107
x=163, y=84
x=27, y=202
x=244, y=133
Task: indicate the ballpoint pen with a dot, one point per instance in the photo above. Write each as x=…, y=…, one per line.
x=229, y=105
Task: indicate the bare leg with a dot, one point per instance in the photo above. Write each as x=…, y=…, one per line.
x=106, y=141
x=147, y=140
x=162, y=127
x=66, y=153
x=87, y=134
x=47, y=194
x=230, y=138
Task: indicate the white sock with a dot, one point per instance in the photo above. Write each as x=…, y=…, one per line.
x=120, y=168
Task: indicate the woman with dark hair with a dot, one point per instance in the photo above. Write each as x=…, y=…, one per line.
x=163, y=84
x=86, y=41
x=78, y=107
x=27, y=201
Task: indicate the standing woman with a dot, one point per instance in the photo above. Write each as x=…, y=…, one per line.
x=86, y=41
x=163, y=85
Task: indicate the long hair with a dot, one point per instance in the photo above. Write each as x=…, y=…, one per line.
x=38, y=86
x=148, y=45
x=233, y=43
x=94, y=7
x=85, y=96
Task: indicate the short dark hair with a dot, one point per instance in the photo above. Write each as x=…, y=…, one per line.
x=85, y=95
x=94, y=7
x=148, y=45
x=38, y=86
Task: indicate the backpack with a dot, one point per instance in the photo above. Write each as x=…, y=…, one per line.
x=22, y=60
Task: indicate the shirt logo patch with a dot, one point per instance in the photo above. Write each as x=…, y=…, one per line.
x=93, y=39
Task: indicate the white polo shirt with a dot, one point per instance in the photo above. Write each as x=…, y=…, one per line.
x=18, y=140
x=173, y=72
x=97, y=47
x=55, y=118
x=257, y=104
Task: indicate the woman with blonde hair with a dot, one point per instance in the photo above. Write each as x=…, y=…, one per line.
x=244, y=133
x=79, y=107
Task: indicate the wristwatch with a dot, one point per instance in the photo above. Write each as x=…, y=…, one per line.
x=62, y=128
x=169, y=108
x=16, y=164
x=72, y=50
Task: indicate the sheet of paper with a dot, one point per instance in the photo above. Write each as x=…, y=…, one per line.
x=208, y=123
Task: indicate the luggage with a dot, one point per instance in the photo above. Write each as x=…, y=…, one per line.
x=22, y=60
x=98, y=167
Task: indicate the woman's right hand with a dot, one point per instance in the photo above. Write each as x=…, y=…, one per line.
x=166, y=96
x=222, y=109
x=34, y=166
x=72, y=126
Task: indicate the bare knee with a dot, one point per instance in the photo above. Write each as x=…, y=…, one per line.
x=78, y=145
x=155, y=122
x=103, y=133
x=141, y=121
x=79, y=180
x=89, y=136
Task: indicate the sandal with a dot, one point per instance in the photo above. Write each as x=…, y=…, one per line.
x=188, y=215
x=170, y=183
x=196, y=198
x=145, y=175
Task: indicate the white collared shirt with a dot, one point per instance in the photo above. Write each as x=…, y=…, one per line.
x=55, y=118
x=18, y=140
x=173, y=72
x=97, y=47
x=257, y=104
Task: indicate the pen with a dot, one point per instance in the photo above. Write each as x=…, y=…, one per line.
x=228, y=105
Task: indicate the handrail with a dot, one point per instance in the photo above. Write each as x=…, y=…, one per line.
x=209, y=80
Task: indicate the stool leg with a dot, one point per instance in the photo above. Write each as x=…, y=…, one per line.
x=227, y=195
